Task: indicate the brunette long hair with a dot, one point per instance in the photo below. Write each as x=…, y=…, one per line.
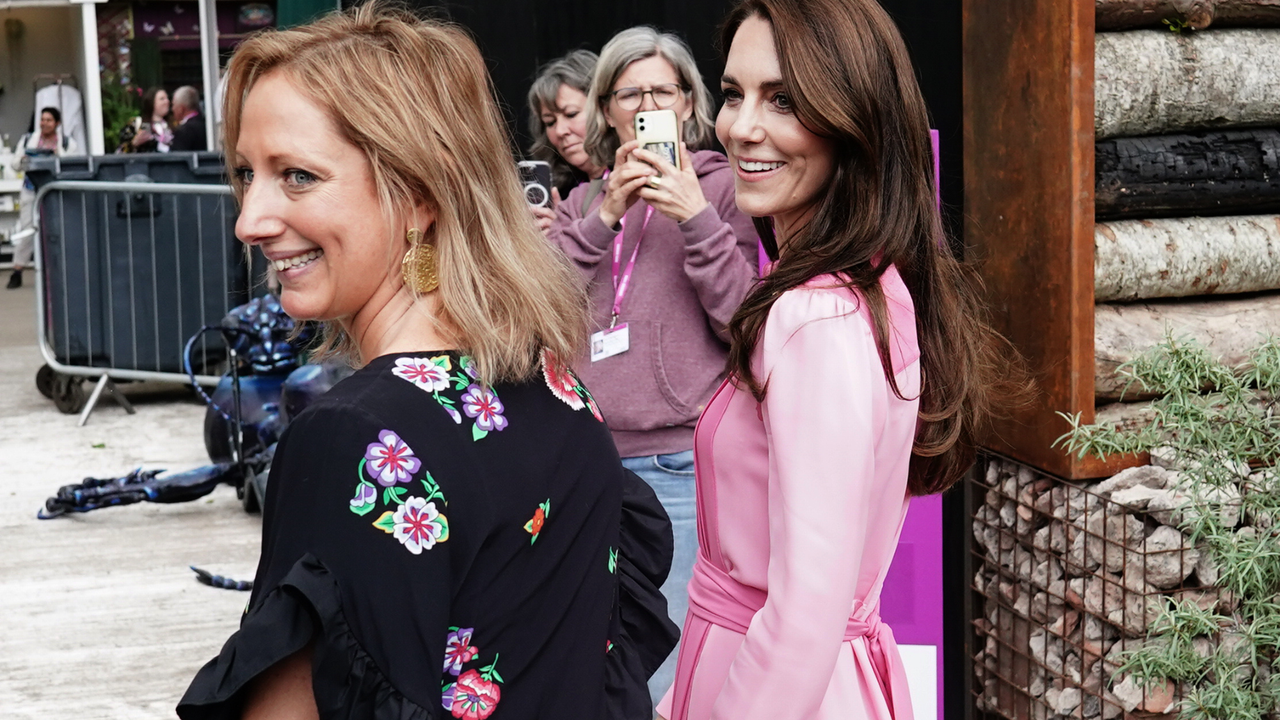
x=847, y=72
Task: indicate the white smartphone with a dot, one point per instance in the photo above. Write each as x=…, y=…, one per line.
x=659, y=132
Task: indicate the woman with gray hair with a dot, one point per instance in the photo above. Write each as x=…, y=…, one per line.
x=667, y=258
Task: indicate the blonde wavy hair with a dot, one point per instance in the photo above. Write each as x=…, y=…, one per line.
x=414, y=95
x=628, y=46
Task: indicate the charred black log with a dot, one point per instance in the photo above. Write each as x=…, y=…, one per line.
x=1227, y=172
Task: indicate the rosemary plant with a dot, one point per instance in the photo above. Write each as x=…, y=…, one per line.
x=1219, y=428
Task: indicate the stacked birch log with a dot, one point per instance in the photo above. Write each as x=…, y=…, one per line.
x=1188, y=181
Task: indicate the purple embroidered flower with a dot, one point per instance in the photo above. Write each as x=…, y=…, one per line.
x=366, y=496
x=458, y=650
x=390, y=460
x=453, y=413
x=468, y=366
x=446, y=698
x=482, y=404
x=422, y=372
x=418, y=525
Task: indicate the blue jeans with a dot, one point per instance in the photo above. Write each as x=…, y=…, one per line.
x=671, y=477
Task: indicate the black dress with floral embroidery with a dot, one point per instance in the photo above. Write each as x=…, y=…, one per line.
x=448, y=550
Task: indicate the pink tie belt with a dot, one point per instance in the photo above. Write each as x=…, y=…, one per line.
x=717, y=598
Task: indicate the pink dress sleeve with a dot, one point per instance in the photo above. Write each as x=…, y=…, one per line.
x=826, y=400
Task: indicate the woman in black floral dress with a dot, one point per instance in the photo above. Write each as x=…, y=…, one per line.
x=449, y=531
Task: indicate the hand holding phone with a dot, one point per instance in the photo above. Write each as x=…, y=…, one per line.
x=659, y=132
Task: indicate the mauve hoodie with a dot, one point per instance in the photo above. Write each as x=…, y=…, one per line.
x=689, y=279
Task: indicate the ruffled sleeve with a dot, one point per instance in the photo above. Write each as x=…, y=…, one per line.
x=305, y=607
x=361, y=543
x=642, y=634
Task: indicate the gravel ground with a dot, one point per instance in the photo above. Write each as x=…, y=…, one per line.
x=105, y=618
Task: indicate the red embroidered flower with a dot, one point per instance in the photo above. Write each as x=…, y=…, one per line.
x=534, y=526
x=562, y=382
x=475, y=698
x=595, y=409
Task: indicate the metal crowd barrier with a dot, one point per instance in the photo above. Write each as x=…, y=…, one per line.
x=126, y=272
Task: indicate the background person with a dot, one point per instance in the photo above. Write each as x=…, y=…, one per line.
x=558, y=124
x=188, y=121
x=686, y=257
x=48, y=139
x=441, y=529
x=859, y=373
x=150, y=131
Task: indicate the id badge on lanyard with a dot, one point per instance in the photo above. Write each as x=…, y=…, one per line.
x=617, y=339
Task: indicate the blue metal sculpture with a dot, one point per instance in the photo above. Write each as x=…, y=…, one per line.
x=263, y=388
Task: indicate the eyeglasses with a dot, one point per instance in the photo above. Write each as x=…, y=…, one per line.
x=664, y=96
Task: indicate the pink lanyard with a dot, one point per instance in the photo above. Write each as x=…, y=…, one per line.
x=620, y=285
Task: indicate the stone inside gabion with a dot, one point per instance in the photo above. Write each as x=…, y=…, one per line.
x=1073, y=575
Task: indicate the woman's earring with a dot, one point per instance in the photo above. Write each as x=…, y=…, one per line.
x=419, y=264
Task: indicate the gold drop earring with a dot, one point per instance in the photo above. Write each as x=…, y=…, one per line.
x=419, y=264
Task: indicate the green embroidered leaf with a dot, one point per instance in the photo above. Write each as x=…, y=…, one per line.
x=442, y=361
x=490, y=671
x=461, y=382
x=477, y=433
x=443, y=523
x=443, y=400
x=433, y=489
x=613, y=560
x=386, y=522
x=394, y=495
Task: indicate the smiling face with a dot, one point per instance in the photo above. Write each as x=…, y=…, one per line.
x=161, y=107
x=47, y=124
x=311, y=204
x=781, y=167
x=566, y=126
x=645, y=74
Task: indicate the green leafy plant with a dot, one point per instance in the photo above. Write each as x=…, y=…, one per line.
x=1177, y=25
x=120, y=104
x=1219, y=427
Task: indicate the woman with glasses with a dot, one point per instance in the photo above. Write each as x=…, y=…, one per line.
x=667, y=258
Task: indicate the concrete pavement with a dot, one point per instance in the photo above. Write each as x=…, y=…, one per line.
x=99, y=615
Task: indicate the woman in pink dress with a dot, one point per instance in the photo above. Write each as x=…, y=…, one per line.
x=858, y=373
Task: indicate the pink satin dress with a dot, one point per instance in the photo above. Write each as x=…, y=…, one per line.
x=801, y=500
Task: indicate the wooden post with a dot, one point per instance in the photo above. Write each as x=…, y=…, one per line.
x=1028, y=136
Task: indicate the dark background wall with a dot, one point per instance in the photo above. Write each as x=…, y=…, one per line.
x=517, y=36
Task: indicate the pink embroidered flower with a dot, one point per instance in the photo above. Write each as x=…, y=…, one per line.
x=390, y=460
x=418, y=525
x=562, y=382
x=475, y=698
x=595, y=409
x=458, y=650
x=482, y=404
x=422, y=372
